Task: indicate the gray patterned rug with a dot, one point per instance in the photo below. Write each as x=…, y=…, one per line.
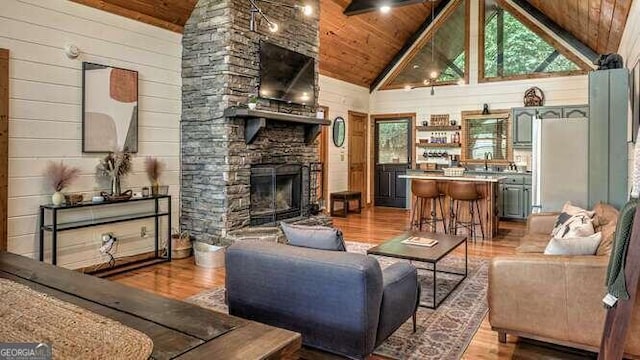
x=442, y=334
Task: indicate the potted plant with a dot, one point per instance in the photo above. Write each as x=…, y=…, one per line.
x=114, y=166
x=252, y=102
x=60, y=176
x=153, y=167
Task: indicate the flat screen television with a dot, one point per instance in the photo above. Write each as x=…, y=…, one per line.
x=286, y=75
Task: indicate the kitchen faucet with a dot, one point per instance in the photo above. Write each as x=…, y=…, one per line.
x=487, y=156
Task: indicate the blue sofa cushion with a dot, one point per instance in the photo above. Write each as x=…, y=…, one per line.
x=315, y=237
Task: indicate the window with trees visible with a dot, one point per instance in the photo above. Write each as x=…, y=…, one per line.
x=440, y=57
x=512, y=50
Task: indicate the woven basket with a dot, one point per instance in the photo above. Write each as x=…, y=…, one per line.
x=180, y=245
x=455, y=171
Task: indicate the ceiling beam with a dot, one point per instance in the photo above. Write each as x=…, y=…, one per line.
x=358, y=7
x=409, y=43
x=576, y=44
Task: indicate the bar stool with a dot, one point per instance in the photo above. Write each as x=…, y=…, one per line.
x=461, y=191
x=425, y=190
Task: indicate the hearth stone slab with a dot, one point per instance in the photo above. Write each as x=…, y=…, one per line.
x=273, y=233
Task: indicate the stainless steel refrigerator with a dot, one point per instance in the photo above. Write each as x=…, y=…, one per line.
x=560, y=162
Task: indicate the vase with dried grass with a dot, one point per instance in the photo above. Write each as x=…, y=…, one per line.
x=114, y=166
x=154, y=168
x=60, y=176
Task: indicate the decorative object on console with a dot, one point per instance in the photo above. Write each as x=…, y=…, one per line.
x=114, y=166
x=338, y=131
x=533, y=97
x=154, y=167
x=72, y=199
x=109, y=109
x=60, y=176
x=252, y=102
x=485, y=109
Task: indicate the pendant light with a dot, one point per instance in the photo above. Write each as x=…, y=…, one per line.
x=433, y=74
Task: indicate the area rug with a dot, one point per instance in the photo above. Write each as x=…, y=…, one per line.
x=65, y=329
x=443, y=334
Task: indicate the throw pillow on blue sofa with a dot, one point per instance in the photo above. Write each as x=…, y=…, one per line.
x=316, y=237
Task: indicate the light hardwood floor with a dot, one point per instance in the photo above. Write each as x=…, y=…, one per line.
x=181, y=278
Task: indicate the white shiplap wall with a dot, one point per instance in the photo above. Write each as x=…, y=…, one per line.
x=45, y=112
x=341, y=97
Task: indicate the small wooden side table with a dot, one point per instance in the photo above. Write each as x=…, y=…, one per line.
x=345, y=197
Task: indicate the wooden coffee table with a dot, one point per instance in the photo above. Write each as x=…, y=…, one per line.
x=432, y=255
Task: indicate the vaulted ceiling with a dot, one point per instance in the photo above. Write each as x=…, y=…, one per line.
x=358, y=48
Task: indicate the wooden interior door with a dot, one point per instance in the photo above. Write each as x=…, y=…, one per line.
x=323, y=156
x=358, y=153
x=4, y=145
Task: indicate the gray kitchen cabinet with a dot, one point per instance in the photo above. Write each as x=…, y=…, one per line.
x=522, y=127
x=581, y=111
x=526, y=201
x=608, y=119
x=514, y=197
x=512, y=201
x=550, y=112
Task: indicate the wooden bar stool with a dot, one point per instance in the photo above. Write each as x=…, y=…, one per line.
x=461, y=191
x=426, y=190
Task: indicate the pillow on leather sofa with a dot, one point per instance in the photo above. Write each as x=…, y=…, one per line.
x=573, y=222
x=574, y=246
x=316, y=237
x=605, y=221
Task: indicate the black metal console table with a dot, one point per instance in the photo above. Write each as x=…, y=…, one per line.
x=55, y=227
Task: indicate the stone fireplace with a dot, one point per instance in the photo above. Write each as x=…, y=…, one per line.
x=229, y=154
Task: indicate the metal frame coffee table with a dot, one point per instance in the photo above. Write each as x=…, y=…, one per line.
x=394, y=248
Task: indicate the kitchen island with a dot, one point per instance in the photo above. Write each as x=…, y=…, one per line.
x=487, y=187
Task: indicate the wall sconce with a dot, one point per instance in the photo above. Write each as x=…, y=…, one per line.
x=255, y=10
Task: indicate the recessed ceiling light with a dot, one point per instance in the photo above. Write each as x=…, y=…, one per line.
x=307, y=10
x=426, y=82
x=273, y=27
x=416, y=66
x=385, y=9
x=434, y=75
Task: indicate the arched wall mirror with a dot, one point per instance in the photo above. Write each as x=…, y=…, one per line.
x=338, y=131
x=486, y=138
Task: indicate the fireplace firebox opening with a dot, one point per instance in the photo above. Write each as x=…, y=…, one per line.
x=276, y=193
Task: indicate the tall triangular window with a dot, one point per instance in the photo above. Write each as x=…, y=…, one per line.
x=440, y=56
x=511, y=49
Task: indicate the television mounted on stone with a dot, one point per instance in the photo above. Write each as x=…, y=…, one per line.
x=286, y=75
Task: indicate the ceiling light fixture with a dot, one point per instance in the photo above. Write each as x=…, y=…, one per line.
x=307, y=10
x=385, y=9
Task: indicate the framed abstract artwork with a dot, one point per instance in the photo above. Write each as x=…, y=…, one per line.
x=109, y=109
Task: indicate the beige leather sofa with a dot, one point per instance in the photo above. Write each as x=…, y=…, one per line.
x=556, y=299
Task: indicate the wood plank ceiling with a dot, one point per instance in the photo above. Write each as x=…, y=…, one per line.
x=357, y=48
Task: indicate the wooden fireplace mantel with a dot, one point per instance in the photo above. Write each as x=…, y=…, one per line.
x=257, y=119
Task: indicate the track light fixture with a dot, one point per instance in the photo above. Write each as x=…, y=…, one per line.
x=255, y=10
